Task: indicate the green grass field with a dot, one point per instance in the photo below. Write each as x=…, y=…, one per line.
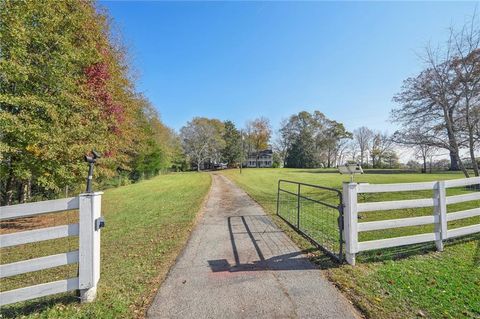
x=404, y=282
x=147, y=224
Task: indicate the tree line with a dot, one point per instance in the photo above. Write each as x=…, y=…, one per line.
x=66, y=88
x=211, y=141
x=304, y=140
x=310, y=140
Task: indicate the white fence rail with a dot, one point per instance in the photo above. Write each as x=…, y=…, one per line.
x=439, y=218
x=87, y=256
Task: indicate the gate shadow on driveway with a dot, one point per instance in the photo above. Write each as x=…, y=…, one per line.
x=273, y=249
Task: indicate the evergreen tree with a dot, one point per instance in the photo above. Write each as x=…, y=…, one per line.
x=232, y=152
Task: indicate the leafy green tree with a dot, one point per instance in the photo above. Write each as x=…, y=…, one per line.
x=159, y=148
x=311, y=139
x=302, y=152
x=232, y=152
x=65, y=89
x=44, y=52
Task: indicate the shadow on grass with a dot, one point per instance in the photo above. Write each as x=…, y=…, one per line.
x=34, y=307
x=402, y=252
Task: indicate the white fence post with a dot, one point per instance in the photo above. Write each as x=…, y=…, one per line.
x=89, y=245
x=440, y=212
x=350, y=220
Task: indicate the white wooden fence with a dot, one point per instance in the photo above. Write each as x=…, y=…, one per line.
x=87, y=256
x=439, y=218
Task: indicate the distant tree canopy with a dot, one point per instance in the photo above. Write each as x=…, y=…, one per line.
x=65, y=89
x=202, y=140
x=312, y=140
x=210, y=141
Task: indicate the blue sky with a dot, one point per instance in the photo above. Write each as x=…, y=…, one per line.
x=241, y=60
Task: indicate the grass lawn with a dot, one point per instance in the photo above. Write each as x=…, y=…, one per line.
x=403, y=282
x=147, y=225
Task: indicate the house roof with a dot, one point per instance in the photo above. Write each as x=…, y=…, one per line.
x=261, y=153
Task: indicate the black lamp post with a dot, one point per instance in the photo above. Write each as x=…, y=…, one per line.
x=91, y=161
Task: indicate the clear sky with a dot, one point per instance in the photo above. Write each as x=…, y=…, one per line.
x=241, y=60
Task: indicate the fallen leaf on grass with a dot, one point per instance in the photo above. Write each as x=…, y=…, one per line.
x=421, y=314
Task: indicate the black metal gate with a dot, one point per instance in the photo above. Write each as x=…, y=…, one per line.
x=314, y=211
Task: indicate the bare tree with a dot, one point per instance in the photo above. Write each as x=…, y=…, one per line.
x=380, y=147
x=441, y=103
x=423, y=149
x=353, y=150
x=425, y=152
x=363, y=137
x=466, y=67
x=341, y=151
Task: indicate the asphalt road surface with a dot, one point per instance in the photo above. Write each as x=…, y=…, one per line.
x=238, y=264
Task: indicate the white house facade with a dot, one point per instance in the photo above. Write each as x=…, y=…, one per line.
x=261, y=159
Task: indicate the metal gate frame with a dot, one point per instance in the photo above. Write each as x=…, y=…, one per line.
x=297, y=228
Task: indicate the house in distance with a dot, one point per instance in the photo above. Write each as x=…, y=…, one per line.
x=260, y=159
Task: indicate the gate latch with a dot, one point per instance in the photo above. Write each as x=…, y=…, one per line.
x=99, y=223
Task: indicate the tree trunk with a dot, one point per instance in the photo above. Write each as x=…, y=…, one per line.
x=9, y=185
x=471, y=145
x=454, y=157
x=471, y=135
x=29, y=189
x=453, y=162
x=424, y=164
x=9, y=191
x=452, y=141
x=24, y=192
x=460, y=164
x=474, y=160
x=328, y=159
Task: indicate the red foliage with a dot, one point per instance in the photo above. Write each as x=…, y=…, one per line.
x=97, y=75
x=97, y=78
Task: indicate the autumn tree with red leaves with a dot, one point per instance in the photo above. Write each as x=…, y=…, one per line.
x=65, y=89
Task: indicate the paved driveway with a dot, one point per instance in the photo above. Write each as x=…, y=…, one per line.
x=238, y=264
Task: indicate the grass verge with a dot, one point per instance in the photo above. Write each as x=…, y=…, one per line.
x=147, y=226
x=405, y=282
